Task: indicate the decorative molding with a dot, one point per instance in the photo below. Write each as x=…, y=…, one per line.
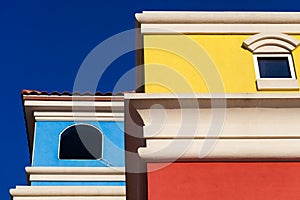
x=67, y=191
x=78, y=116
x=226, y=127
x=243, y=123
x=277, y=84
x=214, y=100
x=160, y=22
x=71, y=198
x=219, y=28
x=271, y=43
x=73, y=103
x=188, y=17
x=79, y=119
x=75, y=177
x=75, y=170
x=76, y=174
x=221, y=150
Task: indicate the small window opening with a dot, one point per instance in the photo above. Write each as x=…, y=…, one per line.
x=81, y=142
x=274, y=67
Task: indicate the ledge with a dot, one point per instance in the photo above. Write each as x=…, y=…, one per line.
x=57, y=191
x=276, y=95
x=227, y=29
x=85, y=174
x=217, y=127
x=277, y=84
x=185, y=17
x=214, y=100
x=221, y=150
x=75, y=170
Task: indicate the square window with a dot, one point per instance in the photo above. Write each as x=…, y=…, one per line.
x=274, y=66
x=275, y=72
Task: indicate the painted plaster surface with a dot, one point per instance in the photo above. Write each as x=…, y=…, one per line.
x=225, y=180
x=46, y=145
x=201, y=63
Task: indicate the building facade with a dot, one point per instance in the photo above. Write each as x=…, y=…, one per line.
x=76, y=144
x=219, y=114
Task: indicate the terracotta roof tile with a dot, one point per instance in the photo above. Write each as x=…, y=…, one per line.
x=67, y=93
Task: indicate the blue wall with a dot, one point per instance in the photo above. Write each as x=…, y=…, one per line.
x=46, y=144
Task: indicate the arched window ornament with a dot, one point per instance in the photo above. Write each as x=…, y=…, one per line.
x=273, y=60
x=81, y=141
x=271, y=43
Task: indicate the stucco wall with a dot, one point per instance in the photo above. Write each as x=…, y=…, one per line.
x=46, y=145
x=201, y=63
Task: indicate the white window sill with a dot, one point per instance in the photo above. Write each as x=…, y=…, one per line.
x=277, y=84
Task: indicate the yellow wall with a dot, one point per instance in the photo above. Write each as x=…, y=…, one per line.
x=201, y=63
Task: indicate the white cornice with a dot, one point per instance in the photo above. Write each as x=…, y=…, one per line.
x=294, y=95
x=71, y=174
x=167, y=150
x=229, y=29
x=75, y=170
x=79, y=116
x=182, y=17
x=68, y=192
x=243, y=123
x=227, y=127
x=72, y=103
x=76, y=178
x=160, y=22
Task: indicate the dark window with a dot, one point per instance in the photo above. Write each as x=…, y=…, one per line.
x=274, y=67
x=81, y=142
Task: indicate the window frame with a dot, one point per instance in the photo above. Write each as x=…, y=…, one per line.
x=276, y=84
x=290, y=61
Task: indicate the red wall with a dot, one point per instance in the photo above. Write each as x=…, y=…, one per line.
x=232, y=181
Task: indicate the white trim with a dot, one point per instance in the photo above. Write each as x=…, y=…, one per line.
x=243, y=123
x=228, y=96
x=77, y=114
x=57, y=191
x=238, y=127
x=85, y=119
x=222, y=150
x=73, y=103
x=290, y=60
x=70, y=177
x=271, y=43
x=72, y=198
x=33, y=144
x=277, y=84
x=75, y=170
x=271, y=46
x=186, y=17
x=219, y=28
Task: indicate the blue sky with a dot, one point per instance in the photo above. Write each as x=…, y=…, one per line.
x=42, y=46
